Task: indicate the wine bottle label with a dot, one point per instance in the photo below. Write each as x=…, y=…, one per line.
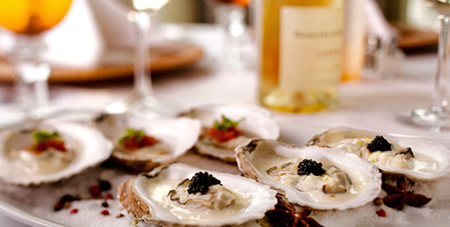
x=310, y=47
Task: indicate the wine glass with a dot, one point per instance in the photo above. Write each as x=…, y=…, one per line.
x=28, y=19
x=230, y=16
x=142, y=100
x=438, y=116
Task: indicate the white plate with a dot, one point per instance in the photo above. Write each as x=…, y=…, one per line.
x=34, y=206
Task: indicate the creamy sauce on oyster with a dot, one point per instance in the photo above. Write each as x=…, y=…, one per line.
x=194, y=212
x=45, y=162
x=229, y=145
x=159, y=150
x=418, y=163
x=308, y=184
x=49, y=161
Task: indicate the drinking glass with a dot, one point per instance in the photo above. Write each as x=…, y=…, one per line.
x=230, y=16
x=142, y=100
x=438, y=116
x=28, y=19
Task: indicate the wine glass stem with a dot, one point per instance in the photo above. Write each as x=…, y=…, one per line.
x=440, y=101
x=32, y=75
x=142, y=83
x=231, y=19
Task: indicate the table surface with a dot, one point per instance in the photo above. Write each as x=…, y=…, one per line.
x=372, y=103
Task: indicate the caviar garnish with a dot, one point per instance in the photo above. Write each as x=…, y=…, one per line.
x=379, y=144
x=44, y=140
x=136, y=139
x=201, y=181
x=308, y=166
x=224, y=130
x=105, y=204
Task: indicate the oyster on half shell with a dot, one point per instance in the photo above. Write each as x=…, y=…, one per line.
x=163, y=197
x=337, y=179
x=172, y=137
x=421, y=160
x=252, y=122
x=76, y=148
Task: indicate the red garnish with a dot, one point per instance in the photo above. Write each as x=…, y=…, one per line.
x=74, y=211
x=104, y=212
x=381, y=213
x=45, y=145
x=133, y=143
x=225, y=130
x=136, y=139
x=223, y=136
x=44, y=140
x=286, y=214
x=399, y=196
x=95, y=191
x=109, y=196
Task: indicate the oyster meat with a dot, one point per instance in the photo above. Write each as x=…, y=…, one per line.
x=142, y=143
x=225, y=127
x=180, y=195
x=421, y=160
x=319, y=178
x=50, y=151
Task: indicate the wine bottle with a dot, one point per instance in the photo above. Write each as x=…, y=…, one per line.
x=300, y=54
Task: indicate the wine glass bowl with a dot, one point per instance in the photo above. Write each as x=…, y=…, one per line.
x=28, y=19
x=243, y=3
x=32, y=17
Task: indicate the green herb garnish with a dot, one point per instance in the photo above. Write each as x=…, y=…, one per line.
x=136, y=135
x=226, y=123
x=42, y=136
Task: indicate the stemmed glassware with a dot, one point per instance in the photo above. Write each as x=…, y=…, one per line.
x=437, y=116
x=28, y=19
x=142, y=100
x=230, y=16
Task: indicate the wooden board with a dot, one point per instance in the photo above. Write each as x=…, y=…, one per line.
x=164, y=58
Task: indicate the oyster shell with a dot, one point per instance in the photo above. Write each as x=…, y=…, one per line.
x=160, y=197
x=174, y=137
x=347, y=181
x=255, y=122
x=423, y=161
x=85, y=147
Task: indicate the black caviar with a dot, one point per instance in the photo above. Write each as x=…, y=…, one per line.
x=309, y=166
x=201, y=181
x=379, y=144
